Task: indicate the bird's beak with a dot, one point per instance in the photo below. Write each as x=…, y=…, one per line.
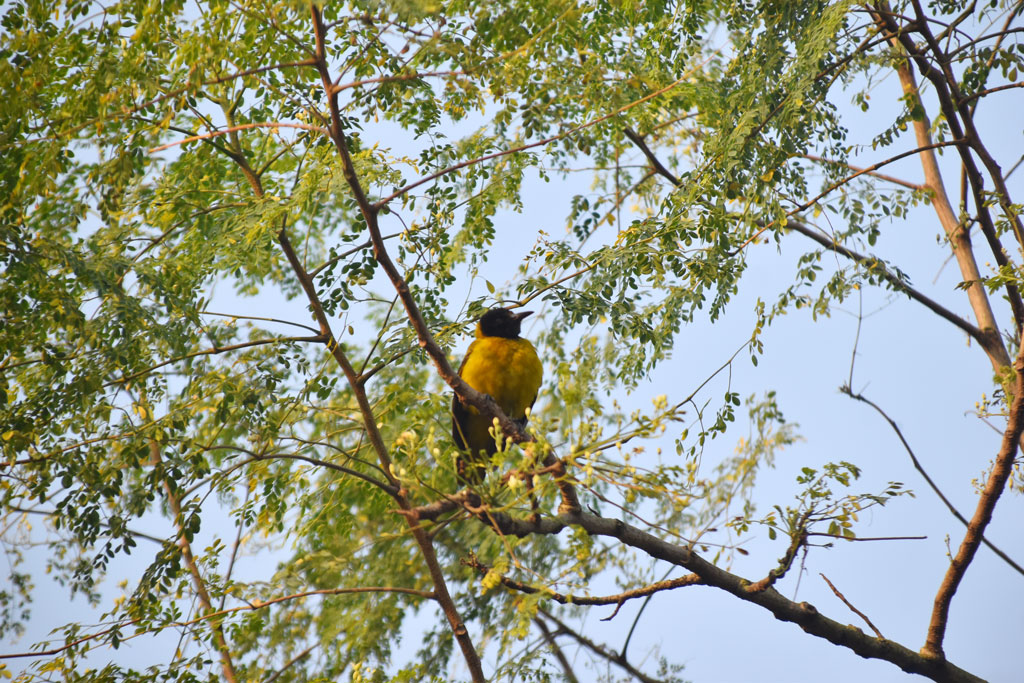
x=523, y=314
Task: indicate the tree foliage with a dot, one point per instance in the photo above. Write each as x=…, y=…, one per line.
x=243, y=242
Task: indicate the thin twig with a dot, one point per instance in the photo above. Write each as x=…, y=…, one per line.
x=598, y=649
x=570, y=676
x=917, y=465
x=515, y=150
x=874, y=174
x=235, y=129
x=867, y=538
x=292, y=662
x=214, y=351
x=852, y=608
x=250, y=606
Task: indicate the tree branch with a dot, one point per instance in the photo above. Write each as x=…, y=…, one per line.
x=597, y=649
x=443, y=597
x=215, y=351
x=235, y=129
x=798, y=540
x=917, y=465
x=570, y=676
x=618, y=599
x=988, y=339
x=515, y=150
x=994, y=488
x=884, y=19
x=291, y=662
x=852, y=608
x=805, y=615
x=219, y=640
x=957, y=234
x=954, y=99
x=251, y=606
x=467, y=394
x=857, y=169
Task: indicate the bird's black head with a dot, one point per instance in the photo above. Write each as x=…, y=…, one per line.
x=501, y=322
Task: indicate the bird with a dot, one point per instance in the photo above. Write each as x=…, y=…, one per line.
x=504, y=366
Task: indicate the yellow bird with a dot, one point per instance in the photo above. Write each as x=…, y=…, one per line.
x=503, y=365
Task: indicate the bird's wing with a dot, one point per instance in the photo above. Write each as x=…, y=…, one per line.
x=460, y=414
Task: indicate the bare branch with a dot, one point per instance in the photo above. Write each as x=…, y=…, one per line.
x=958, y=235
x=994, y=488
x=598, y=649
x=234, y=316
x=917, y=465
x=235, y=129
x=874, y=174
x=651, y=157
x=947, y=92
x=618, y=599
x=803, y=614
x=852, y=608
x=570, y=676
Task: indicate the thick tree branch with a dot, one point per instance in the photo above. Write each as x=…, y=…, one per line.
x=443, y=597
x=957, y=234
x=803, y=614
x=957, y=101
x=485, y=404
x=994, y=488
x=370, y=424
x=887, y=23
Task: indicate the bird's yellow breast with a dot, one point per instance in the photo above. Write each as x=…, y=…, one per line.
x=506, y=369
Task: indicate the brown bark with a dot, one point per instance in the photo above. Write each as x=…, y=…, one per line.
x=994, y=488
x=227, y=666
x=958, y=236
x=424, y=542
x=803, y=614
